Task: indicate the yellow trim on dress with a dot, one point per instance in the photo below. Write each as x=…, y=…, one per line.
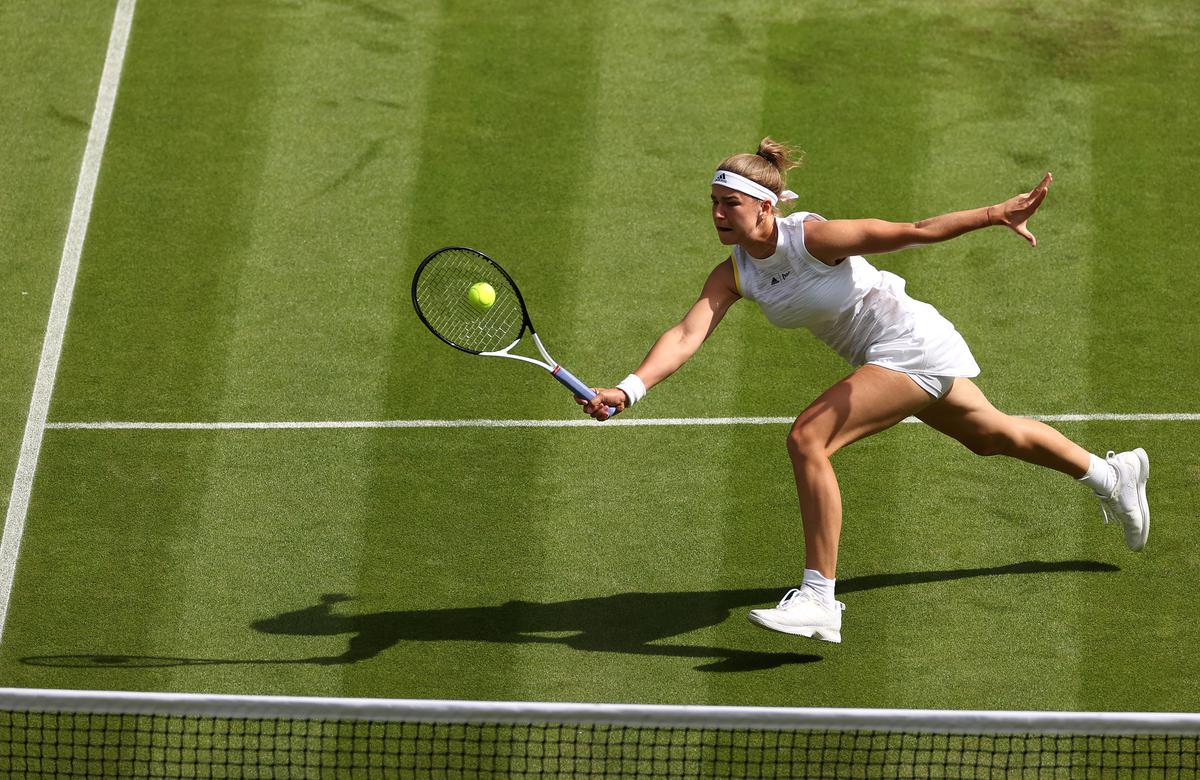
x=737, y=279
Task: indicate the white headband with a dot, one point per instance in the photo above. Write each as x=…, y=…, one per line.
x=752, y=188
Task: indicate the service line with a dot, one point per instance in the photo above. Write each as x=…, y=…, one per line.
x=621, y=422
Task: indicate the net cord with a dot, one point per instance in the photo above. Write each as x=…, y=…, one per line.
x=703, y=716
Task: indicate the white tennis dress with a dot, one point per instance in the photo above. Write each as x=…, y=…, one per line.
x=862, y=313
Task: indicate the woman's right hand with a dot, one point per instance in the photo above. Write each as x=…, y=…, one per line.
x=605, y=397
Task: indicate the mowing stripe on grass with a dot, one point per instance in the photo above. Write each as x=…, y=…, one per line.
x=616, y=422
x=43, y=389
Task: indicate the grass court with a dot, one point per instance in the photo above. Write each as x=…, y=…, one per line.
x=276, y=170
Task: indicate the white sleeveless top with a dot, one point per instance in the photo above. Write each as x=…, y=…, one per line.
x=862, y=313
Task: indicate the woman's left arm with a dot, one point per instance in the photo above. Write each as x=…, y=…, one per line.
x=836, y=239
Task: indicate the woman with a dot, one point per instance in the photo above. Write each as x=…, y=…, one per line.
x=804, y=271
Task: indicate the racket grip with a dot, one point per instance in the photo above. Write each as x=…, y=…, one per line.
x=575, y=386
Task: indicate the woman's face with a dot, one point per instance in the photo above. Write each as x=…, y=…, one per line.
x=736, y=215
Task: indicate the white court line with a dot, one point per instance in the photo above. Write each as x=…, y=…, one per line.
x=68, y=268
x=622, y=422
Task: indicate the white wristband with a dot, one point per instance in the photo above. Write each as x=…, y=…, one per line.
x=634, y=387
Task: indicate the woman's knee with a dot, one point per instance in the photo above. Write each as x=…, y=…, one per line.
x=805, y=441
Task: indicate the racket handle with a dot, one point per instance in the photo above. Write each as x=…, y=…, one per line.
x=575, y=386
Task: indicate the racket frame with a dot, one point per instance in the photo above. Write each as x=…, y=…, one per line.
x=565, y=377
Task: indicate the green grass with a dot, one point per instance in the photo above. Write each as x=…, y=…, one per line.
x=276, y=171
x=586, y=589
x=50, y=55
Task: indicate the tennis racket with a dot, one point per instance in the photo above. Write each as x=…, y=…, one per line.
x=440, y=294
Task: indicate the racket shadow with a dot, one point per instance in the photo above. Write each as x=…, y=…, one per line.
x=119, y=661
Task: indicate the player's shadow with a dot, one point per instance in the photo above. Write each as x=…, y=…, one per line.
x=631, y=623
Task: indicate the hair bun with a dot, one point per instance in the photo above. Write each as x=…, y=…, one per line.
x=777, y=154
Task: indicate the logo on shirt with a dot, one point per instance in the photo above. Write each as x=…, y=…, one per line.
x=781, y=277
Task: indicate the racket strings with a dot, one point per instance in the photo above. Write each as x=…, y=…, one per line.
x=442, y=295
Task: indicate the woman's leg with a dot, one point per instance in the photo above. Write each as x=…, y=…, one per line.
x=1119, y=481
x=866, y=402
x=966, y=414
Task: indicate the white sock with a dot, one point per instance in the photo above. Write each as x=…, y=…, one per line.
x=1101, y=477
x=815, y=583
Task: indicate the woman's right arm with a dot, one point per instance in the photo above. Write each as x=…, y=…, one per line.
x=677, y=345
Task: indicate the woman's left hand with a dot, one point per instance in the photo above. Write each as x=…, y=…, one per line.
x=1015, y=212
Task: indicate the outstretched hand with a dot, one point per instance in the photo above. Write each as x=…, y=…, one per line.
x=1016, y=211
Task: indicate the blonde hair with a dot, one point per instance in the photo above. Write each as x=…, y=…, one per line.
x=768, y=166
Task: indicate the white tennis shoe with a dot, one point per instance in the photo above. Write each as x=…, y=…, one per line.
x=801, y=612
x=1127, y=502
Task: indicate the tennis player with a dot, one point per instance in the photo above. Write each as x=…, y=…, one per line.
x=805, y=271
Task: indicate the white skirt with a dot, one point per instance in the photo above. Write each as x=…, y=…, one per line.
x=904, y=334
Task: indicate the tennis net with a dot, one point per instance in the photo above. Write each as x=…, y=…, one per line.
x=82, y=734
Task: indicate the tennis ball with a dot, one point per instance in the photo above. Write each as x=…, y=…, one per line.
x=481, y=296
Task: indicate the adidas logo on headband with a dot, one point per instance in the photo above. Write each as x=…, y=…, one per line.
x=720, y=176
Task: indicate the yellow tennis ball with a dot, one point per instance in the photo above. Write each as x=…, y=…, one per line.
x=481, y=296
